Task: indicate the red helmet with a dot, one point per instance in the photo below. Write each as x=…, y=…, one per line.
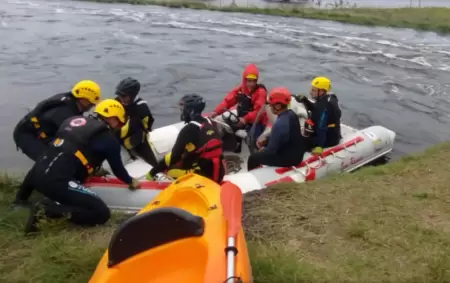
x=279, y=95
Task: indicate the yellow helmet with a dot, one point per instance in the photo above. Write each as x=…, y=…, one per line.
x=321, y=83
x=88, y=90
x=111, y=108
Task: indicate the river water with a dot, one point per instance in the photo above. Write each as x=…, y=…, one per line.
x=395, y=78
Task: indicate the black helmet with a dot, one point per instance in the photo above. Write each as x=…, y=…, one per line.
x=128, y=87
x=192, y=105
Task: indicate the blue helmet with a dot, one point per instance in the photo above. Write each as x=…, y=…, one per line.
x=192, y=106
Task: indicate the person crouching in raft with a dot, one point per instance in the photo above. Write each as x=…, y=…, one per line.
x=325, y=122
x=37, y=129
x=198, y=147
x=286, y=145
x=249, y=97
x=134, y=135
x=81, y=144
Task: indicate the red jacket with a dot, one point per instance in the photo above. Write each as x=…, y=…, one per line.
x=258, y=97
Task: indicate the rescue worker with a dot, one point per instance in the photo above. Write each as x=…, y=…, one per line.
x=37, y=129
x=198, y=147
x=134, y=135
x=249, y=97
x=285, y=146
x=81, y=144
x=325, y=122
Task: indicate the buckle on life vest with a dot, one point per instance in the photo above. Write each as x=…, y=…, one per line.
x=36, y=125
x=78, y=154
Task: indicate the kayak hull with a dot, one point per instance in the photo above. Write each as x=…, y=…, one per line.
x=180, y=236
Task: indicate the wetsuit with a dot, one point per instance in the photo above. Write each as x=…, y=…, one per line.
x=198, y=149
x=37, y=129
x=81, y=145
x=134, y=135
x=286, y=145
x=326, y=121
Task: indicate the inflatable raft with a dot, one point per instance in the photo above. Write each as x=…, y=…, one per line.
x=191, y=232
x=357, y=148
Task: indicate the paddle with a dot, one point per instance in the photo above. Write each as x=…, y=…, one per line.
x=231, y=200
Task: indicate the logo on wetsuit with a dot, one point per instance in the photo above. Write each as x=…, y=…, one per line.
x=78, y=122
x=79, y=188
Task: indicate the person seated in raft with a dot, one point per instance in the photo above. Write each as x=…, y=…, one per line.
x=81, y=144
x=324, y=126
x=37, y=129
x=286, y=146
x=134, y=135
x=249, y=97
x=198, y=147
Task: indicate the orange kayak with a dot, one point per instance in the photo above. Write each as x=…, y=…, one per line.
x=181, y=236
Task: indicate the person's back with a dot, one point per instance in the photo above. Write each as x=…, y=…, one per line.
x=37, y=129
x=294, y=147
x=286, y=145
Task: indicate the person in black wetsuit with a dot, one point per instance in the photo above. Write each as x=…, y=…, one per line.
x=37, y=129
x=285, y=146
x=325, y=120
x=81, y=144
x=134, y=135
x=198, y=147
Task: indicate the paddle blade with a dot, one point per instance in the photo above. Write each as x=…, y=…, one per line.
x=231, y=200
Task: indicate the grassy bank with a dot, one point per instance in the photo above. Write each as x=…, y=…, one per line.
x=385, y=224
x=427, y=19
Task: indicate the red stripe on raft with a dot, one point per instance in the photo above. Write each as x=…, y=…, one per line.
x=116, y=183
x=326, y=153
x=286, y=179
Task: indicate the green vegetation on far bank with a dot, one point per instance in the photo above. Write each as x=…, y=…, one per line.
x=386, y=224
x=426, y=19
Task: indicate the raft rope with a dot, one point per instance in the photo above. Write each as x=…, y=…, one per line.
x=239, y=279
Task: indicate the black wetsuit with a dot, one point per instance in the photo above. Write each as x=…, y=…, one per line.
x=326, y=121
x=134, y=135
x=199, y=148
x=37, y=129
x=81, y=145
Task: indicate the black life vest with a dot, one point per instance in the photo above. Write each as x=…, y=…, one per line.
x=50, y=103
x=244, y=101
x=210, y=145
x=133, y=133
x=75, y=136
x=330, y=104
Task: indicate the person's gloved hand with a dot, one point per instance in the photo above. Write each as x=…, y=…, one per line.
x=134, y=185
x=317, y=150
x=300, y=98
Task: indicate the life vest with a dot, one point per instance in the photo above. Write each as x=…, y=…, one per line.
x=133, y=133
x=244, y=101
x=334, y=116
x=210, y=145
x=75, y=136
x=55, y=101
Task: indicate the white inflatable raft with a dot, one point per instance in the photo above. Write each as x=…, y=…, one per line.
x=357, y=148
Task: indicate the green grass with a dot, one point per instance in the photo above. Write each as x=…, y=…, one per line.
x=426, y=19
x=387, y=224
